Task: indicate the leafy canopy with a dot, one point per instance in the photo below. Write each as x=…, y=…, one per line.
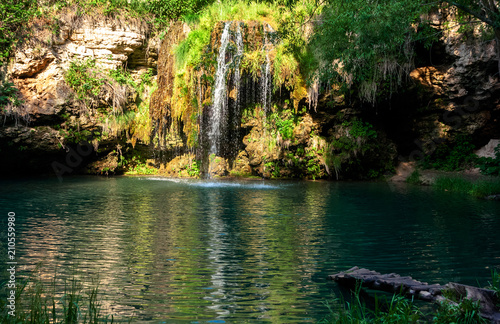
x=369, y=43
x=13, y=16
x=166, y=10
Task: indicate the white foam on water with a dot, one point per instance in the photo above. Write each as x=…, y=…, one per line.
x=217, y=184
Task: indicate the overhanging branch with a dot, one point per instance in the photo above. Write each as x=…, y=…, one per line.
x=478, y=15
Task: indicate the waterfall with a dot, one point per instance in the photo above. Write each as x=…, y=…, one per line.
x=220, y=94
x=232, y=91
x=237, y=74
x=266, y=75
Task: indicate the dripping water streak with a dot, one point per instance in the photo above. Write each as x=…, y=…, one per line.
x=237, y=85
x=266, y=77
x=237, y=75
x=220, y=93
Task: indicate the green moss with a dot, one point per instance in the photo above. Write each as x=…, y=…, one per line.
x=252, y=63
x=285, y=69
x=190, y=50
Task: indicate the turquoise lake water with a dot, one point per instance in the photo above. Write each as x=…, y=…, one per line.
x=202, y=251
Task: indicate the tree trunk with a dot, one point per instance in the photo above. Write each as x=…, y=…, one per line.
x=497, y=40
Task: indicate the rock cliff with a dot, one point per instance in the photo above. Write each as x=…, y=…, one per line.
x=242, y=107
x=33, y=129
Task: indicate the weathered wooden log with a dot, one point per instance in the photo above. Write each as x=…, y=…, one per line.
x=392, y=283
x=409, y=287
x=487, y=299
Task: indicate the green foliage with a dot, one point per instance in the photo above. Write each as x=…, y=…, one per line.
x=495, y=284
x=84, y=79
x=313, y=168
x=472, y=11
x=166, y=10
x=120, y=75
x=356, y=151
x=234, y=10
x=466, y=311
x=285, y=67
x=356, y=134
x=414, y=178
x=39, y=301
x=190, y=50
x=488, y=165
x=193, y=169
x=479, y=188
x=142, y=169
x=274, y=168
x=73, y=135
x=361, y=129
x=396, y=310
x=9, y=95
x=451, y=156
x=284, y=122
x=14, y=15
x=370, y=44
x=292, y=21
x=252, y=63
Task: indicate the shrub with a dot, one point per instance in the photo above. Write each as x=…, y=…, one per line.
x=8, y=95
x=14, y=14
x=451, y=156
x=356, y=151
x=84, y=79
x=166, y=10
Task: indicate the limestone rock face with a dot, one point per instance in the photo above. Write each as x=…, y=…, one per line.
x=37, y=71
x=461, y=84
x=181, y=166
x=489, y=149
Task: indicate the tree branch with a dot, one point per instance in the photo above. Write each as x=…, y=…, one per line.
x=479, y=16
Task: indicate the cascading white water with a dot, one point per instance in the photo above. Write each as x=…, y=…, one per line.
x=236, y=120
x=220, y=93
x=239, y=55
x=231, y=92
x=266, y=75
x=266, y=91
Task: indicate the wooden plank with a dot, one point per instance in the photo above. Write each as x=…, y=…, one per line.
x=409, y=287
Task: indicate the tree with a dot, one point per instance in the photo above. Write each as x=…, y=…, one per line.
x=172, y=9
x=13, y=17
x=370, y=43
x=487, y=11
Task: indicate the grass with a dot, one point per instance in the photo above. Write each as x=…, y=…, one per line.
x=396, y=310
x=466, y=311
x=478, y=188
x=399, y=309
x=57, y=301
